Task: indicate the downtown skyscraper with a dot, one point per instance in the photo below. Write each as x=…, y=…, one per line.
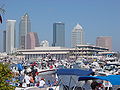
x=24, y=29
x=59, y=34
x=104, y=41
x=32, y=40
x=77, y=36
x=10, y=36
x=4, y=41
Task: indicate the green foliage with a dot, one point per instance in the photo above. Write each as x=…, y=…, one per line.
x=5, y=74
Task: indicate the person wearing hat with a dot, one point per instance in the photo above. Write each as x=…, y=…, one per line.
x=42, y=83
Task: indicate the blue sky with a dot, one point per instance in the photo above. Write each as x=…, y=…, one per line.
x=97, y=17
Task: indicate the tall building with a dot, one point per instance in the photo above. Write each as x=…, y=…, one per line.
x=77, y=36
x=32, y=40
x=10, y=36
x=59, y=34
x=4, y=41
x=104, y=41
x=24, y=29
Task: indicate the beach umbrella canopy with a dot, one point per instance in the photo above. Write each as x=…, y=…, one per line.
x=113, y=79
x=77, y=72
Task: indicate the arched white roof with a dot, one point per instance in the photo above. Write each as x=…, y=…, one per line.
x=78, y=26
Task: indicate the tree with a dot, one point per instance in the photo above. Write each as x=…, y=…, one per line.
x=5, y=74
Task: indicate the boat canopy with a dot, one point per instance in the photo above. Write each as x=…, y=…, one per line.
x=113, y=79
x=77, y=72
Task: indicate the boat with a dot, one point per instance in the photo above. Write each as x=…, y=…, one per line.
x=46, y=71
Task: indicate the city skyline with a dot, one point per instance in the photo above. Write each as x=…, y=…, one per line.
x=98, y=18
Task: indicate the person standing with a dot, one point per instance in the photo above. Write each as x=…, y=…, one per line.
x=31, y=80
x=94, y=85
x=24, y=84
x=48, y=83
x=27, y=80
x=107, y=85
x=42, y=83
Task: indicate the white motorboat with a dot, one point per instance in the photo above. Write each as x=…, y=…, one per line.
x=46, y=71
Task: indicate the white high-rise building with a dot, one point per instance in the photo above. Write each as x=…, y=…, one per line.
x=77, y=35
x=44, y=43
x=10, y=36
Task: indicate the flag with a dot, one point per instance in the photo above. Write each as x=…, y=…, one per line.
x=0, y=19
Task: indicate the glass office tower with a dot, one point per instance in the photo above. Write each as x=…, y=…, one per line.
x=24, y=29
x=59, y=34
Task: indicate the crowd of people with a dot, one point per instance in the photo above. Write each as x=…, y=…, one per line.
x=28, y=80
x=26, y=74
